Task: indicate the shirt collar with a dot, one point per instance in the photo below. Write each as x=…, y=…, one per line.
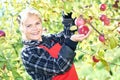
x=33, y=42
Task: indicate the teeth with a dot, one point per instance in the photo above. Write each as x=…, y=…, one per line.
x=35, y=33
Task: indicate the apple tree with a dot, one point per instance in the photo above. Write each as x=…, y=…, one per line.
x=97, y=57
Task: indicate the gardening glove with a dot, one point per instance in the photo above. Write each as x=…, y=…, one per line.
x=68, y=22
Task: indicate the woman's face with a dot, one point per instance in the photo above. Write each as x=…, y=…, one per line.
x=32, y=28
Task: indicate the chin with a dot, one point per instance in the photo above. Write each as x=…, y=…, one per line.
x=35, y=38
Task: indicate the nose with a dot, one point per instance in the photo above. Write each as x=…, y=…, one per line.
x=35, y=27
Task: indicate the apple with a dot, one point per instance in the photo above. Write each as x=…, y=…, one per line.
x=107, y=22
x=103, y=17
x=103, y=7
x=2, y=33
x=79, y=21
x=83, y=29
x=95, y=59
x=102, y=38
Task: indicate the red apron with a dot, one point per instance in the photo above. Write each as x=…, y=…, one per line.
x=71, y=74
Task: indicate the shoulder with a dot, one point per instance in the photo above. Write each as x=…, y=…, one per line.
x=29, y=50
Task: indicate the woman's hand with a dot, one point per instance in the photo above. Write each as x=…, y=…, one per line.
x=80, y=37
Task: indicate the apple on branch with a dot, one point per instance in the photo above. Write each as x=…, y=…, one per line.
x=102, y=38
x=79, y=21
x=2, y=33
x=95, y=59
x=83, y=29
x=103, y=17
x=107, y=22
x=103, y=7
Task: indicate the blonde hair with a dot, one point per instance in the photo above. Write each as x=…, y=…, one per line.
x=24, y=13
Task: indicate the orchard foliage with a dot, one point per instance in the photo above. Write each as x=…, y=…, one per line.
x=97, y=58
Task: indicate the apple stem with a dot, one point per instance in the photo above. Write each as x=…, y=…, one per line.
x=115, y=19
x=114, y=64
x=95, y=29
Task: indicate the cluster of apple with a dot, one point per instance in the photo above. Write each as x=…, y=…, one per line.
x=106, y=22
x=82, y=28
x=103, y=17
x=80, y=23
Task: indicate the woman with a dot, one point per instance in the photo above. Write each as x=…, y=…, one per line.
x=45, y=57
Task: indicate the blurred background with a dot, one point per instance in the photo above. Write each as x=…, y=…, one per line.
x=94, y=59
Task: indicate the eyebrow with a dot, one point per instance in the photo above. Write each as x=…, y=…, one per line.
x=28, y=25
x=35, y=22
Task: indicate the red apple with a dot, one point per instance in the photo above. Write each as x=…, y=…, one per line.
x=2, y=33
x=95, y=59
x=103, y=17
x=102, y=38
x=79, y=21
x=83, y=29
x=103, y=7
x=107, y=22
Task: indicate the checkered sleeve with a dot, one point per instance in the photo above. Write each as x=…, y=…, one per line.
x=59, y=37
x=37, y=60
x=62, y=40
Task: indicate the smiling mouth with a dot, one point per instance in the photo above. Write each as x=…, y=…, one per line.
x=36, y=33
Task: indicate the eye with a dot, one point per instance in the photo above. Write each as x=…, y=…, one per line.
x=38, y=23
x=28, y=26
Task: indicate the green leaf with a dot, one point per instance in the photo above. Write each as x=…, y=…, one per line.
x=105, y=63
x=81, y=56
x=5, y=76
x=73, y=28
x=2, y=64
x=101, y=53
x=16, y=75
x=113, y=42
x=2, y=58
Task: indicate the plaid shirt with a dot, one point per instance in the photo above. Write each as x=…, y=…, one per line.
x=40, y=65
